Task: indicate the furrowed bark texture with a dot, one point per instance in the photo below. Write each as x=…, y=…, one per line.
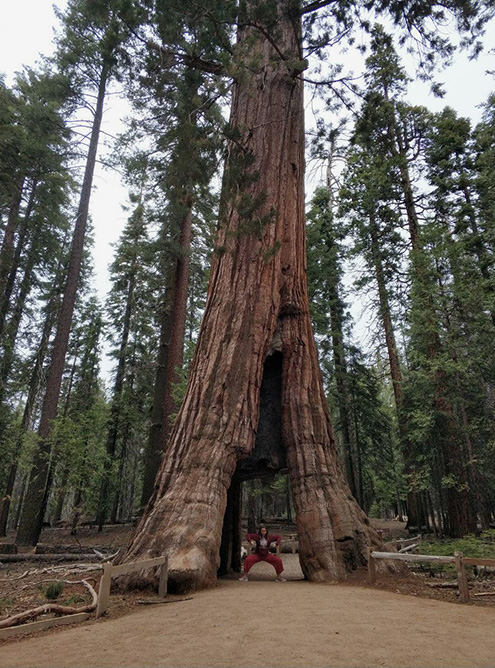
x=257, y=304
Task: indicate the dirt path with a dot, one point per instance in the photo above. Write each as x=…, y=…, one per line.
x=263, y=623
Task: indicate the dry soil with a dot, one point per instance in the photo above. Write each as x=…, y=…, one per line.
x=264, y=623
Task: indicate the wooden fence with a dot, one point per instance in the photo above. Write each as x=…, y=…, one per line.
x=110, y=571
x=458, y=559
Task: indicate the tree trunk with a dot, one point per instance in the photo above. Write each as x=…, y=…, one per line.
x=257, y=304
x=31, y=518
x=27, y=418
x=7, y=249
x=170, y=356
x=413, y=514
x=10, y=282
x=116, y=410
x=336, y=309
x=460, y=519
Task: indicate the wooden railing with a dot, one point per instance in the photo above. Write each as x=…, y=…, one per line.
x=110, y=571
x=458, y=559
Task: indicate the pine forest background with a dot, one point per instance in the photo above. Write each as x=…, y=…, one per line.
x=404, y=226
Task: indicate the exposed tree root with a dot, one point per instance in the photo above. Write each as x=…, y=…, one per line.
x=52, y=607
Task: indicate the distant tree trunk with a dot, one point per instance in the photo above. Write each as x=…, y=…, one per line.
x=336, y=309
x=31, y=518
x=62, y=492
x=414, y=515
x=257, y=304
x=7, y=249
x=120, y=475
x=251, y=510
x=12, y=328
x=27, y=417
x=288, y=504
x=116, y=410
x=170, y=355
x=10, y=282
x=485, y=261
x=461, y=520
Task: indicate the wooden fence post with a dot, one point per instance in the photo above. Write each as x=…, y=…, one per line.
x=371, y=567
x=104, y=591
x=461, y=577
x=162, y=584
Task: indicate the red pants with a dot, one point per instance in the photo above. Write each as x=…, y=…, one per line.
x=252, y=559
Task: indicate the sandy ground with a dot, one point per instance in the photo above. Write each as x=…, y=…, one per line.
x=264, y=623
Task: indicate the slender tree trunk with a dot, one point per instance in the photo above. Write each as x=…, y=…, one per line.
x=62, y=493
x=14, y=322
x=22, y=491
x=484, y=259
x=31, y=519
x=27, y=417
x=460, y=518
x=336, y=308
x=120, y=475
x=342, y=384
x=413, y=514
x=10, y=282
x=7, y=249
x=257, y=304
x=475, y=495
x=251, y=508
x=116, y=410
x=170, y=356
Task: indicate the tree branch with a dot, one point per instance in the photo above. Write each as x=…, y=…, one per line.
x=314, y=6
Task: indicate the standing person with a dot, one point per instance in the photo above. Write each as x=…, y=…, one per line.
x=262, y=541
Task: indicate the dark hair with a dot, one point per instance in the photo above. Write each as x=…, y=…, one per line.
x=262, y=526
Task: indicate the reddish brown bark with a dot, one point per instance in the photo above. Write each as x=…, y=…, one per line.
x=257, y=304
x=171, y=354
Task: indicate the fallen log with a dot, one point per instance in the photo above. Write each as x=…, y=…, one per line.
x=14, y=558
x=485, y=593
x=145, y=601
x=52, y=607
x=17, y=577
x=443, y=585
x=45, y=548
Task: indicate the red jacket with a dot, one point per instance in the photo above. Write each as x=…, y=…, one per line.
x=263, y=551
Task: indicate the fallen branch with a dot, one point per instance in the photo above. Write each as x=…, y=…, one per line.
x=45, y=548
x=103, y=557
x=76, y=569
x=69, y=582
x=443, y=585
x=52, y=607
x=485, y=593
x=18, y=577
x=409, y=548
x=160, y=601
x=14, y=558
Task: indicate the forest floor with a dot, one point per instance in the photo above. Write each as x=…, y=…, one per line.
x=351, y=624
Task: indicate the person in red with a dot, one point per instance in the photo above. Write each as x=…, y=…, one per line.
x=262, y=541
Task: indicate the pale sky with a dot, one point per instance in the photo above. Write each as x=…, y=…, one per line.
x=26, y=30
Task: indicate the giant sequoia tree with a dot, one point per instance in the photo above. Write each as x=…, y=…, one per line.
x=256, y=319
x=256, y=345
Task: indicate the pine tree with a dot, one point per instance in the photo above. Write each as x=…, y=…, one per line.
x=92, y=43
